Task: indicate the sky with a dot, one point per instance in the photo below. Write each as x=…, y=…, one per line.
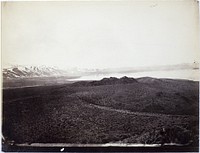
x=100, y=34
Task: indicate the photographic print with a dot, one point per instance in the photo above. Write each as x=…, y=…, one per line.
x=100, y=76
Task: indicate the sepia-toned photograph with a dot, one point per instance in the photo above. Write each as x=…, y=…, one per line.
x=100, y=76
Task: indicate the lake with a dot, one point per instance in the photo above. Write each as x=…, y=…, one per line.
x=171, y=74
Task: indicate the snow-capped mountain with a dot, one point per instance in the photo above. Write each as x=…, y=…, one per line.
x=32, y=71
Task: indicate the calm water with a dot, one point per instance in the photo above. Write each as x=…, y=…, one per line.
x=172, y=74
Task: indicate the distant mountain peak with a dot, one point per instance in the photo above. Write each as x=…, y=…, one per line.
x=32, y=71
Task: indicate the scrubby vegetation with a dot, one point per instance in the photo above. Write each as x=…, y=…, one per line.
x=140, y=111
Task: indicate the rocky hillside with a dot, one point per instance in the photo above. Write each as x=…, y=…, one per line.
x=143, y=111
x=106, y=81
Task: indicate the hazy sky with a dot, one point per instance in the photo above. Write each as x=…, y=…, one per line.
x=100, y=34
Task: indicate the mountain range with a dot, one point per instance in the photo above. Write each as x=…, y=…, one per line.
x=32, y=71
x=18, y=71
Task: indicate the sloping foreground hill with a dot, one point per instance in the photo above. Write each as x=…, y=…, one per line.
x=127, y=110
x=143, y=95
